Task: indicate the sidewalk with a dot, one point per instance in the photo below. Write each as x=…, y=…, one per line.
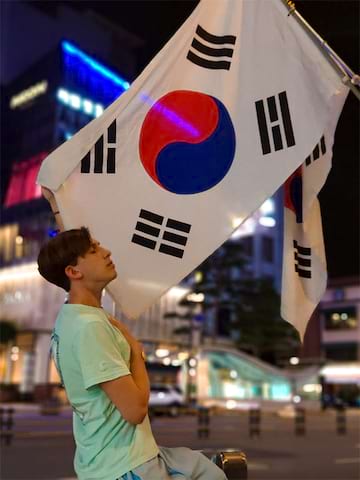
x=29, y=422
x=33, y=409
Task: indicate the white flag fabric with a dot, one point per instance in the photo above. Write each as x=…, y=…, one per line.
x=304, y=276
x=218, y=120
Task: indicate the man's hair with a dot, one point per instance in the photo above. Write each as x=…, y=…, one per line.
x=61, y=251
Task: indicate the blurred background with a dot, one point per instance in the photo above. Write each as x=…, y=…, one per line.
x=217, y=338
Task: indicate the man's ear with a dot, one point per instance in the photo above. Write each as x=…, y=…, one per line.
x=73, y=273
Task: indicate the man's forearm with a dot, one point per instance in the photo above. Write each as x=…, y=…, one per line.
x=137, y=363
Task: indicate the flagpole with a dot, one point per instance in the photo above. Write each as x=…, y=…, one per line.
x=349, y=78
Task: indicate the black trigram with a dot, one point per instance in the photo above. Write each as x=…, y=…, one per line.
x=316, y=152
x=151, y=224
x=302, y=257
x=274, y=122
x=99, y=153
x=203, y=50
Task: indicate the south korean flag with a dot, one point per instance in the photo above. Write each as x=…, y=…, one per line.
x=228, y=109
x=304, y=274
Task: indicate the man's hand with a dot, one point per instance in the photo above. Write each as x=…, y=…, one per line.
x=46, y=193
x=135, y=345
x=50, y=197
x=130, y=393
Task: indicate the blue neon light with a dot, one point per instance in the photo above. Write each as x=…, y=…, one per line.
x=104, y=71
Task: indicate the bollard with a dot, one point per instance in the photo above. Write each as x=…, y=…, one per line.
x=300, y=421
x=254, y=422
x=341, y=420
x=232, y=463
x=203, y=422
x=6, y=424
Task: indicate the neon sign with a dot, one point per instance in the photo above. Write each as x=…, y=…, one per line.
x=73, y=51
x=29, y=94
x=76, y=102
x=85, y=74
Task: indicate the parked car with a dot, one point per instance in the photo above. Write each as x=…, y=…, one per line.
x=166, y=398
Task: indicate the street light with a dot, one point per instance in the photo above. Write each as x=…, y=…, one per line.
x=195, y=297
x=162, y=352
x=192, y=362
x=294, y=360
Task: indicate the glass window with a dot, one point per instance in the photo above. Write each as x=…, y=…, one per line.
x=267, y=249
x=224, y=322
x=341, y=352
x=8, y=234
x=340, y=318
x=339, y=294
x=248, y=245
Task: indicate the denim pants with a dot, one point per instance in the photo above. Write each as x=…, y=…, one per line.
x=176, y=464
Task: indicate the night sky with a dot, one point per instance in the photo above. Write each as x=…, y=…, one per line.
x=337, y=21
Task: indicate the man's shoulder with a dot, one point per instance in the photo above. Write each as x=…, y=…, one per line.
x=84, y=312
x=76, y=317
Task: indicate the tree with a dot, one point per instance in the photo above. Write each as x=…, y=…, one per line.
x=220, y=282
x=187, y=316
x=252, y=305
x=263, y=332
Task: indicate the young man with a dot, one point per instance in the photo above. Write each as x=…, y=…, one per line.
x=102, y=368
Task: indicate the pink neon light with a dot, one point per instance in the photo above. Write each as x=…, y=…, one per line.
x=22, y=187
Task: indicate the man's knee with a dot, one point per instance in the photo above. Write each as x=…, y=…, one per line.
x=208, y=470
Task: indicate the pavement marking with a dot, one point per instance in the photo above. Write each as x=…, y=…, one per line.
x=342, y=461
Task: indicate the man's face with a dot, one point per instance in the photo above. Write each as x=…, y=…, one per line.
x=97, y=266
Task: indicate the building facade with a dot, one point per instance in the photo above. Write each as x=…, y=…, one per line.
x=44, y=106
x=332, y=344
x=340, y=321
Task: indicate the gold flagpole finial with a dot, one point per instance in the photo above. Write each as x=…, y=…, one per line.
x=291, y=6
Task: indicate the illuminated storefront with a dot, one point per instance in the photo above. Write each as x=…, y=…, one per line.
x=229, y=377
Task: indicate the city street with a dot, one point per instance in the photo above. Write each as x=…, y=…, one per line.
x=43, y=447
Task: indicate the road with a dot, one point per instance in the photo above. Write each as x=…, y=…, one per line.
x=43, y=447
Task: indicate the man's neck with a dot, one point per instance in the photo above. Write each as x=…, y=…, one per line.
x=93, y=299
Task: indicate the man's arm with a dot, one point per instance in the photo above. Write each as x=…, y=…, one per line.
x=130, y=394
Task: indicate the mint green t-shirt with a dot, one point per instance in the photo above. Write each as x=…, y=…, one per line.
x=88, y=350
